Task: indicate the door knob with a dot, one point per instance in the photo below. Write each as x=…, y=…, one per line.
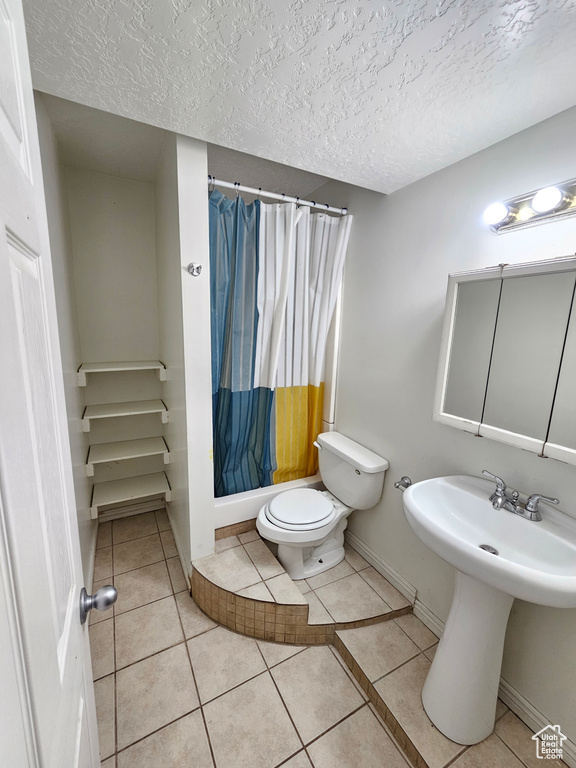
x=101, y=600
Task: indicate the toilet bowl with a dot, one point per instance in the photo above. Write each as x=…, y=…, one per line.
x=309, y=525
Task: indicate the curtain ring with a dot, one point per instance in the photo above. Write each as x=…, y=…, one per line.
x=327, y=206
x=343, y=212
x=259, y=193
x=211, y=185
x=236, y=187
x=297, y=202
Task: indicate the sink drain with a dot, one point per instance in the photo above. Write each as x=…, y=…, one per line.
x=488, y=548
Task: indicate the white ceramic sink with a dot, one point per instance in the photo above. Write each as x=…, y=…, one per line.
x=535, y=562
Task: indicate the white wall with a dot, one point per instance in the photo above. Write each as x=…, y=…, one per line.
x=401, y=250
x=171, y=342
x=113, y=243
x=56, y=204
x=192, y=174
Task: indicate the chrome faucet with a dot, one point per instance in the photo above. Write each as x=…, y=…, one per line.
x=503, y=498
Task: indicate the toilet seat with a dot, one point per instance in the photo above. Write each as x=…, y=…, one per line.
x=301, y=509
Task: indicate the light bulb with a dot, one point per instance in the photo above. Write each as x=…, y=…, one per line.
x=548, y=199
x=497, y=213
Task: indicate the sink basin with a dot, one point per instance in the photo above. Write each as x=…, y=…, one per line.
x=535, y=562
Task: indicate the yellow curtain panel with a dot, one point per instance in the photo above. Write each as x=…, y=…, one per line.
x=298, y=423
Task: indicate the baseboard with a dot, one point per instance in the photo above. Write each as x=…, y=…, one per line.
x=428, y=618
x=127, y=510
x=534, y=719
x=91, y=559
x=186, y=566
x=521, y=707
x=382, y=566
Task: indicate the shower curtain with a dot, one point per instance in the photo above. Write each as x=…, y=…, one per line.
x=275, y=275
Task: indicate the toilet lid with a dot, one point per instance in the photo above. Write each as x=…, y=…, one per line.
x=300, y=508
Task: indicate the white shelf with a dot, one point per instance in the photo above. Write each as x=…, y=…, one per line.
x=115, y=410
x=126, y=449
x=140, y=365
x=129, y=489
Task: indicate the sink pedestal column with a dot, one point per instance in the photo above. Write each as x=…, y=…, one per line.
x=461, y=690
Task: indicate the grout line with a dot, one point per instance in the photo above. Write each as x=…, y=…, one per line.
x=456, y=757
x=143, y=536
x=297, y=653
x=436, y=641
x=335, y=725
x=151, y=655
x=198, y=692
x=288, y=712
x=350, y=621
x=205, y=631
x=389, y=733
x=284, y=703
x=248, y=680
x=162, y=560
x=403, y=664
x=379, y=595
x=291, y=757
x=136, y=607
x=322, y=604
x=348, y=671
x=114, y=649
x=509, y=748
x=157, y=730
x=262, y=578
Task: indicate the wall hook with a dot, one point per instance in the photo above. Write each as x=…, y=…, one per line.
x=194, y=269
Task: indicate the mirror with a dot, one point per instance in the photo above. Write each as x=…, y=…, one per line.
x=508, y=358
x=473, y=334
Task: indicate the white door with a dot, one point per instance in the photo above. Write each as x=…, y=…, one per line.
x=47, y=708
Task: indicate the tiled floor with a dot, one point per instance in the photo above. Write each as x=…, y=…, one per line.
x=350, y=591
x=173, y=689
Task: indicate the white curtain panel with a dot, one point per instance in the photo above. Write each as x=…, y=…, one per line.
x=276, y=258
x=301, y=260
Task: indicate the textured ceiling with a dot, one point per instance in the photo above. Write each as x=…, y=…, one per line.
x=100, y=141
x=377, y=94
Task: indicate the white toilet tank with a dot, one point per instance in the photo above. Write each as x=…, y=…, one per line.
x=354, y=474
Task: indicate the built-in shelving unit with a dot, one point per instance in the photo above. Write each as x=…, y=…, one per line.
x=140, y=365
x=129, y=489
x=126, y=449
x=126, y=491
x=114, y=410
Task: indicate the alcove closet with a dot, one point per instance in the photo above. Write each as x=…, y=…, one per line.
x=127, y=212
x=127, y=208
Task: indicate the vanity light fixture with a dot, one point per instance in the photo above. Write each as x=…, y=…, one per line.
x=498, y=213
x=538, y=207
x=550, y=199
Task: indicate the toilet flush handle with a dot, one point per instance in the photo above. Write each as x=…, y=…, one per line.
x=317, y=445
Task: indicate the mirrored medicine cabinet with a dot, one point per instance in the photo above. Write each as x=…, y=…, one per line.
x=508, y=356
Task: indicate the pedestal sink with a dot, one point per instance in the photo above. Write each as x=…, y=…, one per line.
x=498, y=556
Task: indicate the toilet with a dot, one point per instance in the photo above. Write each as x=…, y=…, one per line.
x=307, y=525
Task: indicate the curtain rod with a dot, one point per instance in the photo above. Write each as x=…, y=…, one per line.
x=213, y=182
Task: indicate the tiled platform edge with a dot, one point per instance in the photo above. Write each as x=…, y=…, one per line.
x=235, y=529
x=402, y=739
x=270, y=621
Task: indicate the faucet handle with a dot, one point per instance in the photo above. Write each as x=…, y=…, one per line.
x=533, y=501
x=500, y=484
